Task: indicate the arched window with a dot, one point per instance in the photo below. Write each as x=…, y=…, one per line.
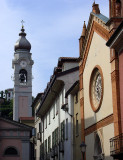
x=10, y=151
x=98, y=154
x=23, y=76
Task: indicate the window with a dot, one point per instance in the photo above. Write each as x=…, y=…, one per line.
x=46, y=122
x=54, y=111
x=11, y=151
x=67, y=129
x=77, y=125
x=63, y=97
x=76, y=98
x=42, y=150
x=97, y=148
x=57, y=105
x=46, y=146
x=56, y=136
x=40, y=127
x=53, y=139
x=49, y=117
x=62, y=131
x=49, y=143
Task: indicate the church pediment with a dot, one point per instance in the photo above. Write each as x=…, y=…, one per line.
x=96, y=24
x=6, y=124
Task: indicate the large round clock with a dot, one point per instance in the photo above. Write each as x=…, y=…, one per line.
x=96, y=88
x=23, y=63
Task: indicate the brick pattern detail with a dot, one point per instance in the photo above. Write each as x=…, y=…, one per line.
x=81, y=81
x=112, y=55
x=104, y=122
x=116, y=101
x=112, y=8
x=82, y=118
x=102, y=32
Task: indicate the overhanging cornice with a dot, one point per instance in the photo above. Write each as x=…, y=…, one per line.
x=49, y=98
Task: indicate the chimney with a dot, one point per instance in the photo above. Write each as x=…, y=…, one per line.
x=95, y=8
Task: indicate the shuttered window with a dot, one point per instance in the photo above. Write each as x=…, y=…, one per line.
x=49, y=143
x=62, y=131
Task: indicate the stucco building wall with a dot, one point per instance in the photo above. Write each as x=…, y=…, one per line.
x=98, y=54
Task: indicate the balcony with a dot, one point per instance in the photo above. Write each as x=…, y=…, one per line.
x=116, y=146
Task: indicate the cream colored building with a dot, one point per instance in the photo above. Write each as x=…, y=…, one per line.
x=98, y=98
x=36, y=139
x=74, y=94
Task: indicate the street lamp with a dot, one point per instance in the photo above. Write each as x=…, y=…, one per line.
x=83, y=149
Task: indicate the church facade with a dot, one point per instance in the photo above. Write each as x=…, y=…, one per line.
x=99, y=83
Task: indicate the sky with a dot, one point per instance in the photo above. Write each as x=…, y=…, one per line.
x=53, y=28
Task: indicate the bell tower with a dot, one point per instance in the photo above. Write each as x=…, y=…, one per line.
x=22, y=65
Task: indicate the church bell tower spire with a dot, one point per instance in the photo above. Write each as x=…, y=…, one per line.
x=22, y=65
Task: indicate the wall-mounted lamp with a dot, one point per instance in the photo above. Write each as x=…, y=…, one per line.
x=65, y=108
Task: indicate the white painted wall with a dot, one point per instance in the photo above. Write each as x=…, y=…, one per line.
x=56, y=121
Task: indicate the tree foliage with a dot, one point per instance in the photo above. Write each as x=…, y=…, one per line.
x=6, y=109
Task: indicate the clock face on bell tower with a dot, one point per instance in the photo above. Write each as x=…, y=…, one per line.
x=22, y=65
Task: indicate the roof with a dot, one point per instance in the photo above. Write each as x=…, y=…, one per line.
x=101, y=16
x=38, y=97
x=27, y=118
x=54, y=86
x=23, y=126
x=76, y=84
x=22, y=43
x=115, y=34
x=67, y=59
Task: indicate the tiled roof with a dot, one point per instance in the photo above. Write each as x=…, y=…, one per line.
x=101, y=16
x=26, y=118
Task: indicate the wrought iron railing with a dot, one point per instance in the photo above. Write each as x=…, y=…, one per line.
x=116, y=145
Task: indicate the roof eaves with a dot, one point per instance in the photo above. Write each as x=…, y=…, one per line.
x=47, y=91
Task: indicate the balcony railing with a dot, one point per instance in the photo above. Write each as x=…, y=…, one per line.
x=116, y=145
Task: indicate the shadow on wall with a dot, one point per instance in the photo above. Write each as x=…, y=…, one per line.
x=94, y=139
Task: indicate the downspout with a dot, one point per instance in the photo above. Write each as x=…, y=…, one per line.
x=59, y=107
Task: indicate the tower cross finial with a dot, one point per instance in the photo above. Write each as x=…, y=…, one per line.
x=22, y=23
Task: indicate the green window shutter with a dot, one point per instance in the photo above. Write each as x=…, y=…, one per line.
x=56, y=137
x=49, y=143
x=40, y=127
x=46, y=146
x=63, y=130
